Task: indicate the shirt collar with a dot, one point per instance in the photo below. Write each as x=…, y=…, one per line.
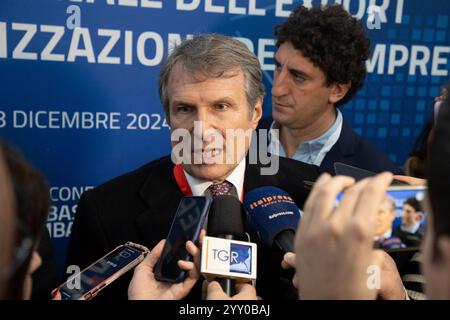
x=412, y=229
x=312, y=151
x=385, y=236
x=199, y=186
x=275, y=146
x=320, y=141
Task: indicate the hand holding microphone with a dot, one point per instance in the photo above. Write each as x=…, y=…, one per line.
x=287, y=263
x=244, y=291
x=274, y=216
x=225, y=257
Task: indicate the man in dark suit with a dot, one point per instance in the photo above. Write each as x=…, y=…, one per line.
x=412, y=228
x=384, y=235
x=208, y=86
x=319, y=66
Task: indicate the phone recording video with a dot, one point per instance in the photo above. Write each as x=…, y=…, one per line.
x=187, y=224
x=86, y=285
x=401, y=218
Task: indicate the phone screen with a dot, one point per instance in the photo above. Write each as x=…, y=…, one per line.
x=401, y=219
x=99, y=272
x=189, y=219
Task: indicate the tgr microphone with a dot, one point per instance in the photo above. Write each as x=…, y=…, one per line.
x=231, y=259
x=273, y=215
x=222, y=256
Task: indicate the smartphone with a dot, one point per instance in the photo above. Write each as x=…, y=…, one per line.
x=88, y=283
x=187, y=224
x=401, y=219
x=359, y=174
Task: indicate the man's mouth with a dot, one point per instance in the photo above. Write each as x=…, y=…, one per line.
x=210, y=155
x=280, y=105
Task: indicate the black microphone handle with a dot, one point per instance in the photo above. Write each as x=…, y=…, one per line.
x=228, y=286
x=285, y=240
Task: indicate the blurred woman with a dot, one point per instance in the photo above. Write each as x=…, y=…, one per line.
x=32, y=204
x=6, y=224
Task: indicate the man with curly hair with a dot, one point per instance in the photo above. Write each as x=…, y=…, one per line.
x=320, y=64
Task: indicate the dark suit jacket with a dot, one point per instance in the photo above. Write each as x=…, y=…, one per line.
x=410, y=239
x=351, y=149
x=139, y=207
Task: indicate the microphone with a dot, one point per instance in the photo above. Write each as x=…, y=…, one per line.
x=224, y=257
x=274, y=216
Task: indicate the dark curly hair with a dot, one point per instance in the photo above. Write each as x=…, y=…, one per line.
x=414, y=203
x=333, y=40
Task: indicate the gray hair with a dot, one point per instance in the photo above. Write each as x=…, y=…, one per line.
x=213, y=56
x=391, y=202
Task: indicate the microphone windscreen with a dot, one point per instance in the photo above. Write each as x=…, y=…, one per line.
x=226, y=217
x=270, y=211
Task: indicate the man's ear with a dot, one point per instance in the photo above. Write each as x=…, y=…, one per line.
x=419, y=216
x=257, y=113
x=338, y=91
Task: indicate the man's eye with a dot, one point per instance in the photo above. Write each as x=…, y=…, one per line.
x=277, y=67
x=183, y=109
x=221, y=106
x=298, y=77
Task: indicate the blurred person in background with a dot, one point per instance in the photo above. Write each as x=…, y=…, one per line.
x=32, y=204
x=7, y=215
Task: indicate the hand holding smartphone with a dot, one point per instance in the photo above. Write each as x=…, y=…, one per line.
x=187, y=224
x=400, y=222
x=89, y=282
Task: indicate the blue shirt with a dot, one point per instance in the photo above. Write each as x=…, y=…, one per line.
x=312, y=151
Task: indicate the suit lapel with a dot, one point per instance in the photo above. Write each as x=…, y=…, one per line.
x=162, y=195
x=343, y=149
x=254, y=179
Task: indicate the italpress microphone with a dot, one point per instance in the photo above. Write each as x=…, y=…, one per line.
x=273, y=216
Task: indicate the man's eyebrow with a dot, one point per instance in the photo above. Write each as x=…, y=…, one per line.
x=292, y=70
x=177, y=102
x=300, y=73
x=223, y=99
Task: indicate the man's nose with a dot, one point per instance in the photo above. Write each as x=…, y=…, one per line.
x=280, y=83
x=204, y=120
x=204, y=126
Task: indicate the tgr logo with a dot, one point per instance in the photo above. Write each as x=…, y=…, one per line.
x=224, y=255
x=239, y=258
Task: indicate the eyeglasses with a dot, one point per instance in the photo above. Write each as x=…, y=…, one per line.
x=20, y=252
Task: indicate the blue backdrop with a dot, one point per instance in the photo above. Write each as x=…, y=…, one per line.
x=82, y=103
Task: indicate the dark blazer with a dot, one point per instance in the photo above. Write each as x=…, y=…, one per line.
x=139, y=207
x=351, y=149
x=410, y=239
